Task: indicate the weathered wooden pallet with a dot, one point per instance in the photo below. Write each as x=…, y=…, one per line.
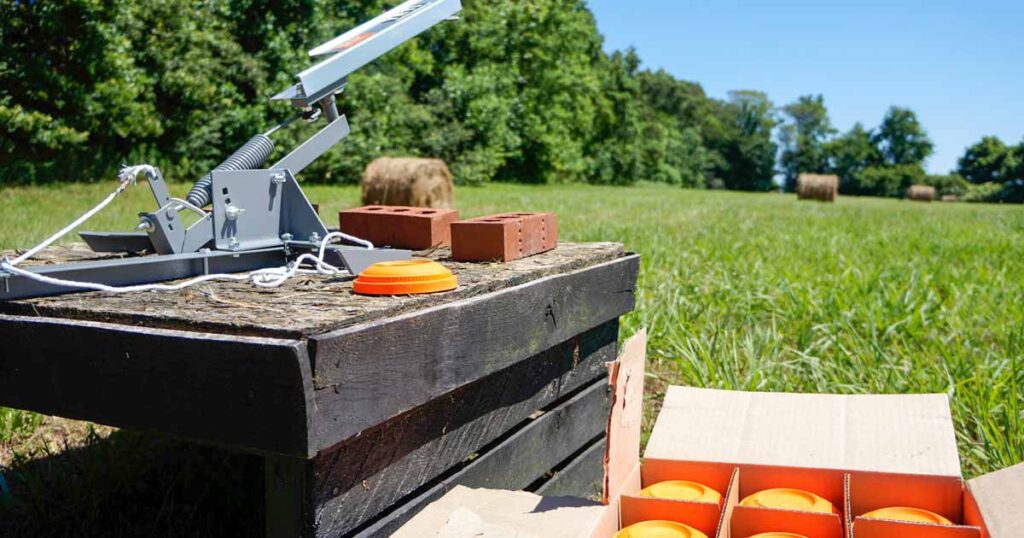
x=366, y=413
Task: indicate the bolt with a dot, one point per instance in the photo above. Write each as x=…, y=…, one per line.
x=232, y=212
x=145, y=225
x=314, y=237
x=277, y=178
x=287, y=237
x=233, y=243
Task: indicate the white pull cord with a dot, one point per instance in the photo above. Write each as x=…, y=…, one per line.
x=126, y=178
x=264, y=278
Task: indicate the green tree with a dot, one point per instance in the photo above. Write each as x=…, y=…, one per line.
x=615, y=151
x=675, y=113
x=901, y=138
x=849, y=155
x=1016, y=162
x=891, y=180
x=989, y=160
x=804, y=138
x=741, y=134
x=953, y=184
x=71, y=89
x=1013, y=188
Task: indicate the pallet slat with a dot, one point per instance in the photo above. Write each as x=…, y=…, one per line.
x=247, y=393
x=367, y=374
x=518, y=460
x=583, y=476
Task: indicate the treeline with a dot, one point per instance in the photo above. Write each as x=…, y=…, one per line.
x=517, y=90
x=887, y=160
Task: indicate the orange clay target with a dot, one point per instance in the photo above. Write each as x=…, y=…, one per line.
x=404, y=278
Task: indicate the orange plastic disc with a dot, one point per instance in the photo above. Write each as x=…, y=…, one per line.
x=659, y=529
x=789, y=499
x=778, y=535
x=407, y=277
x=682, y=490
x=906, y=513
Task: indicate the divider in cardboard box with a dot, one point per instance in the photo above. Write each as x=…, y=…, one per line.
x=880, y=528
x=706, y=517
x=748, y=521
x=827, y=483
x=717, y=476
x=942, y=495
x=702, y=516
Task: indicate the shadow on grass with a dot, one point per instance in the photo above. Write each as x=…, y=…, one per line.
x=131, y=484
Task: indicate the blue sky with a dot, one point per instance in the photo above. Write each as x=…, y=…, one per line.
x=959, y=65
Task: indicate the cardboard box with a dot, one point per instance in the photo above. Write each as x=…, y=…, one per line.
x=861, y=452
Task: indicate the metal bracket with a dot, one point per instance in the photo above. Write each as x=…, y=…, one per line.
x=246, y=209
x=117, y=242
x=257, y=208
x=310, y=150
x=199, y=235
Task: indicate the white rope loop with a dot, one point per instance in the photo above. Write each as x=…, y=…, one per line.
x=126, y=178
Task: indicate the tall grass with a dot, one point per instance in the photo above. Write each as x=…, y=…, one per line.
x=761, y=292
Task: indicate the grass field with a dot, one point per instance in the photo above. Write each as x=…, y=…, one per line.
x=757, y=291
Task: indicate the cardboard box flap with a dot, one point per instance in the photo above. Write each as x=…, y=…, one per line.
x=465, y=512
x=622, y=452
x=999, y=498
x=910, y=434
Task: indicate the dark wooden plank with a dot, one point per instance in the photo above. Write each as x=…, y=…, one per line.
x=517, y=461
x=286, y=484
x=390, y=461
x=583, y=476
x=367, y=374
x=241, y=392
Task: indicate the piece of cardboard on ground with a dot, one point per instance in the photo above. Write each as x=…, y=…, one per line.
x=1000, y=498
x=465, y=512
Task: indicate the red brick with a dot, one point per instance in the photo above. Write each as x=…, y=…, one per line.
x=504, y=237
x=416, y=228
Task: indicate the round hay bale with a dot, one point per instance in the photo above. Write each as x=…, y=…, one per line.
x=408, y=181
x=821, y=187
x=921, y=193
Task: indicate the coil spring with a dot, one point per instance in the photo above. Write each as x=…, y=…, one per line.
x=251, y=156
